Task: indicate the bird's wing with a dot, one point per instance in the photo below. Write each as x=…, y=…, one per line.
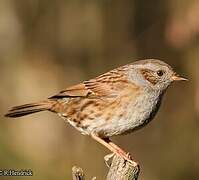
x=78, y=90
x=107, y=85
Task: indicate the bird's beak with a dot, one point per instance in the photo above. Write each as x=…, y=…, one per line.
x=177, y=77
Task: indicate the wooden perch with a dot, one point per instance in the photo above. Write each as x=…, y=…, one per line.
x=119, y=170
x=77, y=173
x=122, y=170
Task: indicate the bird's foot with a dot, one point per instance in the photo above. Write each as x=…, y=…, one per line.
x=127, y=157
x=107, y=159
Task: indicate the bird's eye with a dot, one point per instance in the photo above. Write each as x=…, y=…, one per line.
x=160, y=73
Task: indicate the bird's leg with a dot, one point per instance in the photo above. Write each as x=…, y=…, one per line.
x=105, y=143
x=117, y=148
x=113, y=147
x=121, y=151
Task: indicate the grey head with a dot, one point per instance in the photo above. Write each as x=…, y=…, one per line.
x=153, y=74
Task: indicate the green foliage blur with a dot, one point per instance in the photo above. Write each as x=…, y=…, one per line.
x=46, y=46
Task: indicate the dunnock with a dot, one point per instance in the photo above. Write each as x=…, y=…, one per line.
x=115, y=103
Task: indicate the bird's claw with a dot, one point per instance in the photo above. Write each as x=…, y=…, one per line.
x=129, y=156
x=107, y=159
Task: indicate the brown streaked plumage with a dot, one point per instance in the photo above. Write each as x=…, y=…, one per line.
x=117, y=102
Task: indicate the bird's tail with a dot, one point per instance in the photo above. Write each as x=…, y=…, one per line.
x=27, y=109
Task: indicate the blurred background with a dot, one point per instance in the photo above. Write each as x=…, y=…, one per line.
x=46, y=46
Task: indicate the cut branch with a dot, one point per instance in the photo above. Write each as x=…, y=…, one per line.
x=77, y=173
x=120, y=169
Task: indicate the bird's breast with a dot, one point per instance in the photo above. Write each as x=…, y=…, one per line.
x=143, y=110
x=132, y=114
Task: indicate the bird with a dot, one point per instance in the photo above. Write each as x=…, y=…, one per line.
x=117, y=102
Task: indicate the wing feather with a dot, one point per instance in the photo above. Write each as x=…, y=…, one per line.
x=109, y=84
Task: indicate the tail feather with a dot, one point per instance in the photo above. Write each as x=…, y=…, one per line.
x=30, y=105
x=26, y=109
